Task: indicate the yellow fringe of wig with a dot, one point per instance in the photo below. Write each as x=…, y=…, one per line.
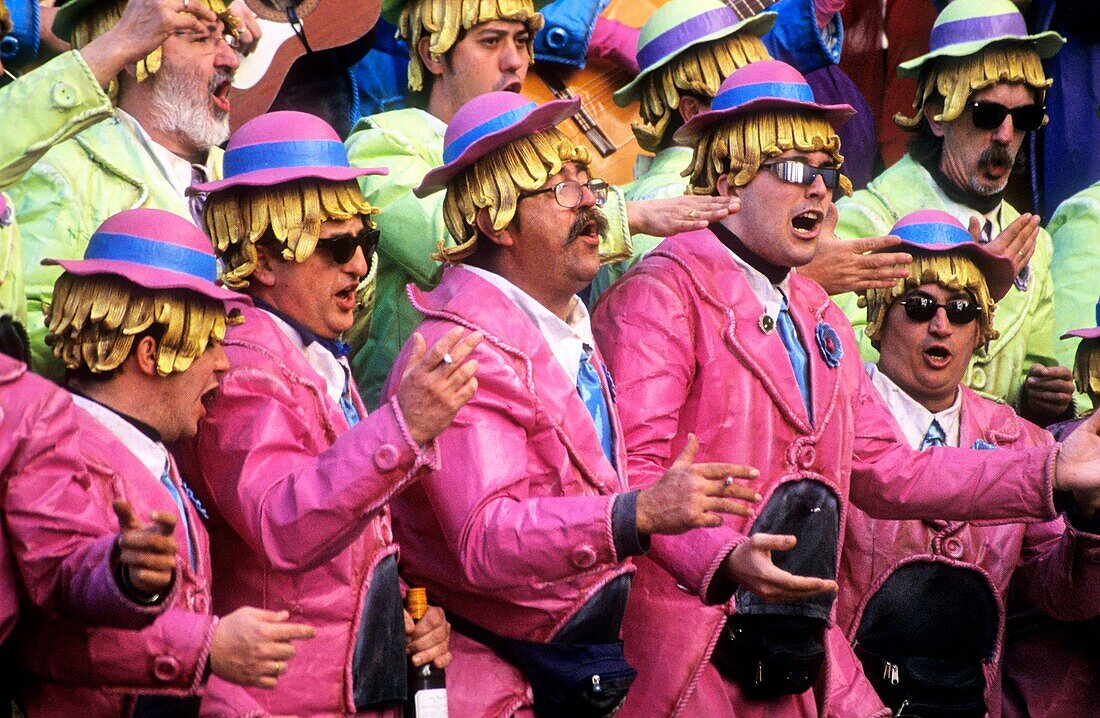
x=741, y=144
x=5, y=19
x=235, y=219
x=954, y=79
x=495, y=183
x=101, y=17
x=699, y=71
x=442, y=21
x=955, y=272
x=92, y=322
x=1086, y=369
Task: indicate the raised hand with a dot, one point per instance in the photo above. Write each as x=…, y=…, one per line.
x=1016, y=242
x=854, y=265
x=249, y=32
x=146, y=552
x=666, y=217
x=251, y=646
x=693, y=495
x=429, y=639
x=751, y=566
x=1047, y=393
x=437, y=382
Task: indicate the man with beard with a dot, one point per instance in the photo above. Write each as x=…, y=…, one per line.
x=170, y=110
x=458, y=50
x=524, y=531
x=980, y=89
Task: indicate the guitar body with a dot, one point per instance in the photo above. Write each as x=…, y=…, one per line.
x=324, y=23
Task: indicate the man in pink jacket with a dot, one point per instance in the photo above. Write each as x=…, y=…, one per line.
x=923, y=602
x=712, y=334
x=294, y=472
x=525, y=528
x=138, y=324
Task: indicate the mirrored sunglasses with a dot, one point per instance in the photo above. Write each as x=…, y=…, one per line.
x=802, y=173
x=959, y=311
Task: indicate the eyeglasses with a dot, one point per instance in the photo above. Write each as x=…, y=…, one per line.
x=570, y=193
x=959, y=311
x=990, y=115
x=342, y=248
x=802, y=173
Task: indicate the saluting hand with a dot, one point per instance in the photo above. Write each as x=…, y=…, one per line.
x=854, y=265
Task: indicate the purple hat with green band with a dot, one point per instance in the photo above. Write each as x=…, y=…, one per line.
x=487, y=123
x=931, y=230
x=965, y=27
x=681, y=24
x=764, y=85
x=154, y=249
x=281, y=147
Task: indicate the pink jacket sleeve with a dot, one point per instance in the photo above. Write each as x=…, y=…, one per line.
x=848, y=691
x=1059, y=570
x=298, y=507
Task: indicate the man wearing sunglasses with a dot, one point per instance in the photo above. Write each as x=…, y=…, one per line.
x=923, y=602
x=980, y=90
x=294, y=472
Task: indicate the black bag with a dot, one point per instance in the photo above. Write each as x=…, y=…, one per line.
x=568, y=680
x=919, y=687
x=771, y=655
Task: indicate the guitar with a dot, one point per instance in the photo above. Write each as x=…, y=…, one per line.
x=292, y=28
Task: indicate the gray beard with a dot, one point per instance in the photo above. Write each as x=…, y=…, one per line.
x=181, y=106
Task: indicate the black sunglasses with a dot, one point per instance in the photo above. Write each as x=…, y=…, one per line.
x=801, y=173
x=990, y=115
x=959, y=311
x=342, y=248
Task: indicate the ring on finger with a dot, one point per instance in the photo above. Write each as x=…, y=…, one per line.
x=185, y=4
x=447, y=359
x=691, y=214
x=280, y=668
x=728, y=482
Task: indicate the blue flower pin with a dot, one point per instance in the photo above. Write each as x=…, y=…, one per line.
x=829, y=344
x=982, y=445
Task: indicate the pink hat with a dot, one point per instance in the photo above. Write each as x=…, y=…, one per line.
x=153, y=249
x=1086, y=332
x=763, y=85
x=931, y=230
x=487, y=123
x=280, y=147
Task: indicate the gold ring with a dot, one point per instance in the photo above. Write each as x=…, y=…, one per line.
x=280, y=667
x=185, y=4
x=691, y=214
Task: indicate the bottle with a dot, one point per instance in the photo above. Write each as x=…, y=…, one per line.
x=427, y=684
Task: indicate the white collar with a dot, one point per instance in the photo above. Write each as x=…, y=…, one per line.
x=770, y=295
x=335, y=372
x=913, y=418
x=963, y=213
x=152, y=454
x=177, y=170
x=567, y=339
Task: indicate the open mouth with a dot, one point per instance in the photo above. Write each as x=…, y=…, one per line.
x=937, y=356
x=221, y=95
x=346, y=297
x=808, y=222
x=513, y=86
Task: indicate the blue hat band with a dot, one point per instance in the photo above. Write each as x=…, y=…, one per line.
x=926, y=233
x=737, y=96
x=462, y=143
x=139, y=250
x=676, y=37
x=280, y=155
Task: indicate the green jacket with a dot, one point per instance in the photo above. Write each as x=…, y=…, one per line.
x=69, y=192
x=659, y=178
x=1024, y=318
x=13, y=302
x=409, y=142
x=1075, y=230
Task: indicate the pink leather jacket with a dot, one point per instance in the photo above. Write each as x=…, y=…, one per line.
x=682, y=339
x=1055, y=564
x=78, y=670
x=513, y=530
x=298, y=519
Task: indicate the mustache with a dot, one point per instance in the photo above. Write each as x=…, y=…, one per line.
x=995, y=156
x=584, y=217
x=221, y=76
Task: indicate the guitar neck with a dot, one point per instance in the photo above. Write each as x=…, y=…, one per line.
x=748, y=8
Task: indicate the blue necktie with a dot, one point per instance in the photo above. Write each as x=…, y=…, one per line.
x=346, y=404
x=166, y=479
x=591, y=391
x=797, y=354
x=935, y=436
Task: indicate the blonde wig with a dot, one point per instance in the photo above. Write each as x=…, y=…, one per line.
x=495, y=183
x=93, y=320
x=739, y=145
x=1086, y=369
x=236, y=219
x=952, y=80
x=5, y=19
x=954, y=272
x=441, y=21
x=698, y=71
x=101, y=17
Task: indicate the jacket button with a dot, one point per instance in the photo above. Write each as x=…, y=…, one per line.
x=953, y=547
x=63, y=95
x=584, y=557
x=9, y=47
x=806, y=456
x=557, y=37
x=977, y=378
x=1093, y=555
x=165, y=668
x=385, y=458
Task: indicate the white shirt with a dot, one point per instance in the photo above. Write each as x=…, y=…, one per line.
x=335, y=372
x=963, y=213
x=567, y=339
x=177, y=170
x=770, y=295
x=913, y=418
x=152, y=454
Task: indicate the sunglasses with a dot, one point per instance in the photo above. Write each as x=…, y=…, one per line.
x=342, y=248
x=990, y=115
x=802, y=173
x=959, y=311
